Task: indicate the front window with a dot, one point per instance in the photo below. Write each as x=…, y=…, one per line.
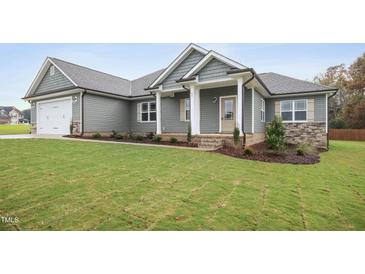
x=187, y=109
x=148, y=112
x=262, y=110
x=293, y=110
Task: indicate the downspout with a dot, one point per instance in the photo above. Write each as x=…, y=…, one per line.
x=328, y=98
x=82, y=112
x=243, y=98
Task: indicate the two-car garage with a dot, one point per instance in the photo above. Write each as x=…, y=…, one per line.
x=54, y=116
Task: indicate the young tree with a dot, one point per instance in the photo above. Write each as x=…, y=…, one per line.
x=337, y=77
x=357, y=74
x=275, y=135
x=354, y=112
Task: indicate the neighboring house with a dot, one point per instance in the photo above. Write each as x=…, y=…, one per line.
x=10, y=115
x=204, y=88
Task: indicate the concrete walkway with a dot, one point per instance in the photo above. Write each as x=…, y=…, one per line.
x=17, y=136
x=60, y=137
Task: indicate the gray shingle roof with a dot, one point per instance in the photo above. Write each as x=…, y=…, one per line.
x=138, y=85
x=6, y=108
x=281, y=84
x=92, y=79
x=96, y=80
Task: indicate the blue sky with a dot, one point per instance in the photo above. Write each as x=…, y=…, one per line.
x=20, y=62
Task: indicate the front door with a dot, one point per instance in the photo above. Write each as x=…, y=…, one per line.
x=228, y=114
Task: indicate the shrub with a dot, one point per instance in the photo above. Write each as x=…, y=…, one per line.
x=188, y=137
x=236, y=136
x=248, y=151
x=118, y=136
x=173, y=140
x=156, y=139
x=338, y=122
x=139, y=138
x=150, y=135
x=275, y=135
x=304, y=149
x=96, y=135
x=114, y=134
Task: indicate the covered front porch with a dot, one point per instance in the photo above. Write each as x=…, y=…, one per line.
x=211, y=107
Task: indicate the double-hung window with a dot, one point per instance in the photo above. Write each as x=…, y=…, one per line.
x=294, y=110
x=262, y=110
x=187, y=109
x=147, y=112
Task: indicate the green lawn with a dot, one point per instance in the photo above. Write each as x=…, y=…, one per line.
x=71, y=185
x=14, y=129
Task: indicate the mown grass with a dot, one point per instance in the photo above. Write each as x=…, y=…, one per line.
x=70, y=185
x=14, y=129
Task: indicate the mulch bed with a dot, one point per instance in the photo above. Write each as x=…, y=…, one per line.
x=144, y=141
x=263, y=153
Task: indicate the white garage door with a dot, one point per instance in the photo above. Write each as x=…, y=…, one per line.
x=54, y=116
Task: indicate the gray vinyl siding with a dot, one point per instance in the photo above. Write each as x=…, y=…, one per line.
x=209, y=111
x=55, y=82
x=33, y=113
x=258, y=125
x=182, y=69
x=103, y=114
x=170, y=118
x=247, y=110
x=140, y=127
x=75, y=107
x=214, y=70
x=319, y=106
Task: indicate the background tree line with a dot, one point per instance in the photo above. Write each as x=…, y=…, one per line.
x=347, y=107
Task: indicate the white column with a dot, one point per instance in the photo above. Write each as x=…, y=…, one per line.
x=239, y=104
x=195, y=109
x=158, y=112
x=253, y=111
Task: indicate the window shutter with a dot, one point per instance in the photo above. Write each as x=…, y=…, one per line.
x=310, y=110
x=277, y=108
x=182, y=109
x=139, y=112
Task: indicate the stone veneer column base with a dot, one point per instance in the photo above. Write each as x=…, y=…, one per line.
x=312, y=133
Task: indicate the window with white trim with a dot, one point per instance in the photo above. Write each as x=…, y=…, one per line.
x=294, y=110
x=262, y=110
x=147, y=111
x=51, y=70
x=187, y=109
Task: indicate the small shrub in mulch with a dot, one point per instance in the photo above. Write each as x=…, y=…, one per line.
x=96, y=135
x=139, y=138
x=119, y=136
x=157, y=139
x=261, y=152
x=173, y=140
x=248, y=151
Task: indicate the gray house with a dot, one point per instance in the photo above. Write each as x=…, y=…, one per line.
x=204, y=88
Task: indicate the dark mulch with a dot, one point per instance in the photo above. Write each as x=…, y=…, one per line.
x=264, y=154
x=129, y=140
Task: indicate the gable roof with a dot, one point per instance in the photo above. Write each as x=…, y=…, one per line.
x=6, y=108
x=207, y=58
x=87, y=78
x=92, y=79
x=185, y=53
x=280, y=84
